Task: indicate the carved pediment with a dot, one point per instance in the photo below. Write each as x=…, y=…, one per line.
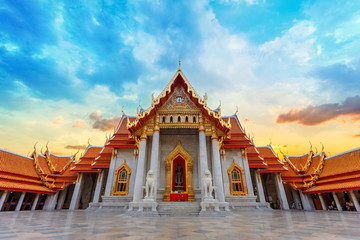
x=179, y=102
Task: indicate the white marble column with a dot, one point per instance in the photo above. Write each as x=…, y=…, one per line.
x=139, y=179
x=305, y=200
x=97, y=193
x=354, y=200
x=35, y=202
x=50, y=202
x=62, y=199
x=154, y=160
x=247, y=174
x=218, y=181
x=296, y=199
x=260, y=189
x=202, y=155
x=281, y=192
x=75, y=199
x=3, y=198
x=323, y=205
x=20, y=202
x=110, y=178
x=336, y=199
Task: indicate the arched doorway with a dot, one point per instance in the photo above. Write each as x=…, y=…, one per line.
x=179, y=182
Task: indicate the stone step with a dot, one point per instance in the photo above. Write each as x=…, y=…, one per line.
x=179, y=208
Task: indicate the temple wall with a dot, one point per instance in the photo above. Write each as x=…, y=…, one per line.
x=191, y=145
x=231, y=155
x=128, y=155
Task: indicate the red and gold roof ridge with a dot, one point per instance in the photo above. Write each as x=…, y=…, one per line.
x=178, y=78
x=275, y=165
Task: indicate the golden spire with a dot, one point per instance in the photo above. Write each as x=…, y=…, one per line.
x=122, y=110
x=179, y=62
x=237, y=110
x=205, y=98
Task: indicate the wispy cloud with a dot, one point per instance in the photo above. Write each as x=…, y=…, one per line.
x=79, y=124
x=103, y=124
x=76, y=147
x=58, y=120
x=314, y=115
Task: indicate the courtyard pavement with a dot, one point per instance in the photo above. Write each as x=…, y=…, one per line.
x=275, y=224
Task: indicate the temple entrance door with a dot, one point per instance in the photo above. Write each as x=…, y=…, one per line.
x=179, y=186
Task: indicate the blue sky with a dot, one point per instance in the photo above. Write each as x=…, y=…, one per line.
x=291, y=67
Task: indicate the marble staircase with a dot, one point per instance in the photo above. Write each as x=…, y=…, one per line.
x=178, y=208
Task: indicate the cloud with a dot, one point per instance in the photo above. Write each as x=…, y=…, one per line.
x=314, y=115
x=356, y=135
x=80, y=124
x=58, y=120
x=76, y=147
x=103, y=124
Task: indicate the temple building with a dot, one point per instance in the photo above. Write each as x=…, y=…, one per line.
x=179, y=157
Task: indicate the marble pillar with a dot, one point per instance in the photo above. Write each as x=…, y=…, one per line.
x=20, y=202
x=138, y=188
x=75, y=199
x=154, y=160
x=202, y=155
x=61, y=199
x=296, y=198
x=218, y=181
x=35, y=202
x=281, y=192
x=323, y=205
x=337, y=202
x=3, y=198
x=247, y=174
x=354, y=200
x=260, y=189
x=51, y=201
x=110, y=178
x=99, y=182
x=305, y=200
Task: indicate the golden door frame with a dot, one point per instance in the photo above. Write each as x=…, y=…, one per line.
x=179, y=151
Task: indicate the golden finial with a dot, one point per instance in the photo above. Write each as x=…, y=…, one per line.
x=219, y=112
x=237, y=110
x=322, y=146
x=310, y=146
x=89, y=141
x=137, y=111
x=205, y=98
x=122, y=110
x=270, y=142
x=152, y=99
x=179, y=62
x=128, y=121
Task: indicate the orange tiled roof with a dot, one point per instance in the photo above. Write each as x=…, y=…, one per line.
x=236, y=138
x=17, y=173
x=104, y=158
x=271, y=159
x=254, y=158
x=340, y=172
x=87, y=159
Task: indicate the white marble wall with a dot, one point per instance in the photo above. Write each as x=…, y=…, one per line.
x=167, y=144
x=231, y=155
x=128, y=155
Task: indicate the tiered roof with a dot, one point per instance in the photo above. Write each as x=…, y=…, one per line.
x=17, y=173
x=271, y=159
x=340, y=172
x=53, y=170
x=121, y=139
x=84, y=164
x=304, y=170
x=178, y=79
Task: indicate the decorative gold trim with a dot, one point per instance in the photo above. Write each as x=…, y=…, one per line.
x=190, y=91
x=179, y=151
x=117, y=172
x=238, y=168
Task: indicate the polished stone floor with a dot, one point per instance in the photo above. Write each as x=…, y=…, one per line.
x=242, y=225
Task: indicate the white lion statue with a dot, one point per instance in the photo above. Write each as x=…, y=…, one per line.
x=150, y=184
x=208, y=187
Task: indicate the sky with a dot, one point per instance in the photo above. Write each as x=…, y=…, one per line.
x=291, y=68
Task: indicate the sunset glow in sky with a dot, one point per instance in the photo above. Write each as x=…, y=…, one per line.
x=291, y=67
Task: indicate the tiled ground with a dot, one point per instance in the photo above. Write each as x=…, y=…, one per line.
x=243, y=225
